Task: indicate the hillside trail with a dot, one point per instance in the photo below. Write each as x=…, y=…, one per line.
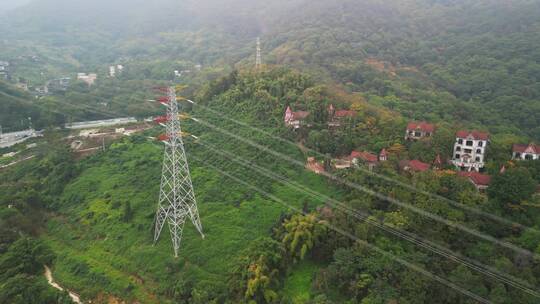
x=48, y=274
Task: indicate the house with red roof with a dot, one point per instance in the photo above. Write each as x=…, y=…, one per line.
x=413, y=165
x=364, y=157
x=470, y=150
x=479, y=180
x=295, y=119
x=418, y=130
x=313, y=165
x=526, y=152
x=335, y=117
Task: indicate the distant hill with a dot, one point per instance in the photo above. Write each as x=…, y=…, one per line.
x=16, y=106
x=470, y=62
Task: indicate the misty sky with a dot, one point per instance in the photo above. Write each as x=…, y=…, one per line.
x=10, y=4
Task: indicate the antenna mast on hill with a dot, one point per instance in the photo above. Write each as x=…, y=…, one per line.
x=258, y=60
x=176, y=195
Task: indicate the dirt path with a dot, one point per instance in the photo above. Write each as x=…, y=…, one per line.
x=48, y=274
x=16, y=162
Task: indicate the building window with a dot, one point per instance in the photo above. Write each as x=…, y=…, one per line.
x=517, y=155
x=528, y=156
x=417, y=134
x=457, y=156
x=460, y=141
x=477, y=158
x=458, y=148
x=468, y=151
x=478, y=151
x=480, y=143
x=469, y=143
x=428, y=134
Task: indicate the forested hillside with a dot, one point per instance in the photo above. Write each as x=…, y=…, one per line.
x=472, y=61
x=319, y=208
x=292, y=246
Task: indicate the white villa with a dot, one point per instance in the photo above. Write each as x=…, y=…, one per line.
x=470, y=150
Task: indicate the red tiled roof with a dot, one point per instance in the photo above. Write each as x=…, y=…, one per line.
x=314, y=166
x=477, y=135
x=300, y=114
x=530, y=148
x=419, y=166
x=478, y=179
x=345, y=113
x=366, y=156
x=422, y=126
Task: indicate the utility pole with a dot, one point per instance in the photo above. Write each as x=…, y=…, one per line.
x=176, y=194
x=258, y=60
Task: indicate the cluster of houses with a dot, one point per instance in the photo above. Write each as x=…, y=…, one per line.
x=468, y=154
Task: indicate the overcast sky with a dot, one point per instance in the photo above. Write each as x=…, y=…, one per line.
x=10, y=4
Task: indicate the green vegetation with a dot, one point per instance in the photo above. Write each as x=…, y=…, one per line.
x=459, y=64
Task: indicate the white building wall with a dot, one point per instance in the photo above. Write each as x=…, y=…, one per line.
x=475, y=149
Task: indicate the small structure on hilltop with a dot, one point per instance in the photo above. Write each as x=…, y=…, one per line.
x=295, y=119
x=413, y=165
x=335, y=117
x=419, y=130
x=314, y=166
x=89, y=79
x=479, y=180
x=470, y=150
x=526, y=152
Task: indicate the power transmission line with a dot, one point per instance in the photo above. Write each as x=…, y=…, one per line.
x=377, y=194
x=419, y=241
x=386, y=178
x=364, y=243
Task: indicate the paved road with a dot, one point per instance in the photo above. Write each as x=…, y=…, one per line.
x=100, y=123
x=13, y=138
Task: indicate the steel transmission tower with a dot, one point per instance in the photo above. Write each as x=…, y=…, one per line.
x=176, y=195
x=258, y=60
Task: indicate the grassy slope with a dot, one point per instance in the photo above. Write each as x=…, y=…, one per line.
x=297, y=286
x=119, y=256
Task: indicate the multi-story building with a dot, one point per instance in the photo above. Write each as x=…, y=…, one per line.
x=419, y=130
x=526, y=152
x=470, y=150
